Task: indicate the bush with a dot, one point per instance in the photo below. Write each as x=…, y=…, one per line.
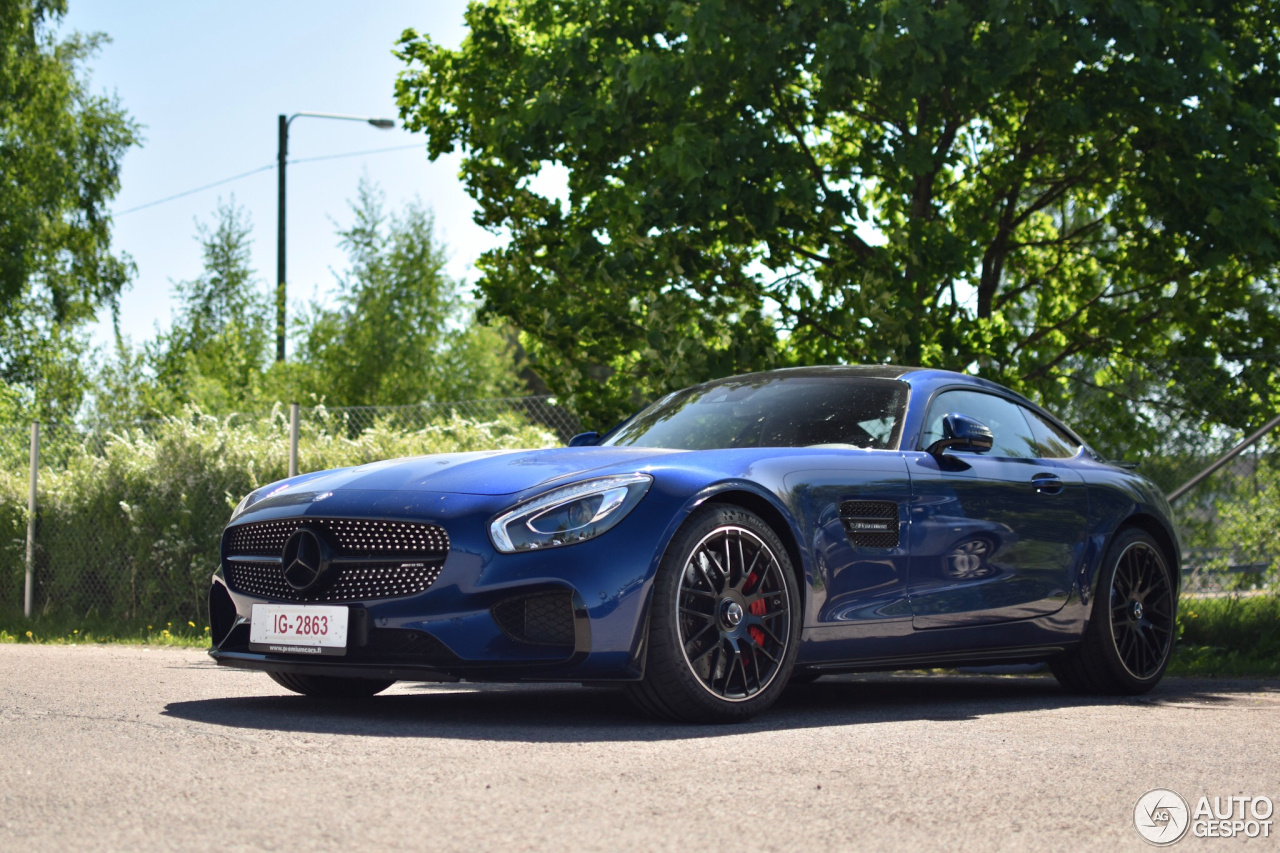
x=131, y=532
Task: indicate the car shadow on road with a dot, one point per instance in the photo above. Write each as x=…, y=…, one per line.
x=556, y=713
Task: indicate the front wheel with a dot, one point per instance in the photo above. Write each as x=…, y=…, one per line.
x=1127, y=644
x=330, y=687
x=725, y=621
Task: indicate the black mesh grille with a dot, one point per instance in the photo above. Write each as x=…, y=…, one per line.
x=542, y=619
x=871, y=524
x=415, y=553
x=263, y=580
x=351, y=537
x=356, y=582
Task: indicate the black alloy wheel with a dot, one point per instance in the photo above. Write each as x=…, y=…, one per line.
x=1142, y=624
x=1127, y=643
x=733, y=613
x=724, y=620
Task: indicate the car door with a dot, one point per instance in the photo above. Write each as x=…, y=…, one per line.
x=995, y=536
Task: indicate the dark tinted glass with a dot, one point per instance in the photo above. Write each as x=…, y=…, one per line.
x=1008, y=427
x=1051, y=442
x=772, y=412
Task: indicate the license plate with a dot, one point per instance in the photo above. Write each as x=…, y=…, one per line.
x=298, y=629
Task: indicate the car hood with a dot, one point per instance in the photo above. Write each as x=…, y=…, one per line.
x=496, y=472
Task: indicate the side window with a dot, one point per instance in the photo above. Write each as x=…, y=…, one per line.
x=1009, y=428
x=1051, y=442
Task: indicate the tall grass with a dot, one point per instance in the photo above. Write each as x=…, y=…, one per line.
x=1228, y=636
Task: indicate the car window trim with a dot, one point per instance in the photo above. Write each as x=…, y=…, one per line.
x=1007, y=397
x=1054, y=422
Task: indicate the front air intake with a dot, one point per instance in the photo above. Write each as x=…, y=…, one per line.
x=540, y=619
x=871, y=524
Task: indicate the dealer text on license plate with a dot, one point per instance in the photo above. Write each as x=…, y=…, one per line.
x=298, y=629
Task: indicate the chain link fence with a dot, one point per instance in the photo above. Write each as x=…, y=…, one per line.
x=128, y=518
x=1175, y=418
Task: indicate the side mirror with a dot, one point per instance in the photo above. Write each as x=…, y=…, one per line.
x=584, y=439
x=961, y=432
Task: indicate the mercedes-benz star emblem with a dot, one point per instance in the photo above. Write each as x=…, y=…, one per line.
x=304, y=559
x=733, y=614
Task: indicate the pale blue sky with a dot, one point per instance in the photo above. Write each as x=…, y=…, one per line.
x=208, y=80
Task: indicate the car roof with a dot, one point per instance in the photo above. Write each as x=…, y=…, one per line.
x=916, y=377
x=913, y=376
x=869, y=371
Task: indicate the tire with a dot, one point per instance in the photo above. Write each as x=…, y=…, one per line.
x=722, y=643
x=330, y=687
x=1129, y=639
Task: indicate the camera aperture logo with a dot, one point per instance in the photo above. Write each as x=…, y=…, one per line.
x=1163, y=817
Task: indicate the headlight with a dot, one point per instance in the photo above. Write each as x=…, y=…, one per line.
x=569, y=514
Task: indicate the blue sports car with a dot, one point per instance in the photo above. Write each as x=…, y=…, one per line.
x=727, y=540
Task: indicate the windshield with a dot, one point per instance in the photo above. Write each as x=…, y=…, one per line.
x=772, y=411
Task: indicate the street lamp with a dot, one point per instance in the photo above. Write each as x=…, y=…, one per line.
x=282, y=161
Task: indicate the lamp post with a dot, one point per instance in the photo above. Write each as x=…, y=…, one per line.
x=282, y=161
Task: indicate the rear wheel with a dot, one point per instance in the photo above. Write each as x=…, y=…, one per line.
x=330, y=687
x=1126, y=647
x=725, y=621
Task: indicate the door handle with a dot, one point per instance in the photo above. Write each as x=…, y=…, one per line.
x=1047, y=484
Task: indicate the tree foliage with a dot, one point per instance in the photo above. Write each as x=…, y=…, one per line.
x=1023, y=188
x=60, y=152
x=397, y=330
x=400, y=331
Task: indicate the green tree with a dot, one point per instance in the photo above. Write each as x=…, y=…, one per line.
x=1030, y=189
x=60, y=153
x=400, y=331
x=216, y=352
x=218, y=348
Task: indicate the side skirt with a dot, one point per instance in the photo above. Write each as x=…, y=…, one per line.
x=1027, y=654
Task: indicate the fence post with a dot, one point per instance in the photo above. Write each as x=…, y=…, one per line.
x=294, y=416
x=28, y=592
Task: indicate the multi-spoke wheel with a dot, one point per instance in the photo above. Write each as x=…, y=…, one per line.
x=734, y=616
x=1127, y=643
x=723, y=620
x=1142, y=608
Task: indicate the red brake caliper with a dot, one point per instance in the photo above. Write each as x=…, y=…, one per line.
x=757, y=608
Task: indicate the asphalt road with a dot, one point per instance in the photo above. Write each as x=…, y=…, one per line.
x=125, y=748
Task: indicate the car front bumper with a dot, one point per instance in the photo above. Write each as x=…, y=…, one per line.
x=456, y=628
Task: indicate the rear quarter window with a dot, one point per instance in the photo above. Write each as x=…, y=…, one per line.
x=1051, y=442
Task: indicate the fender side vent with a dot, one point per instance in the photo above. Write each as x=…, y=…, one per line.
x=871, y=524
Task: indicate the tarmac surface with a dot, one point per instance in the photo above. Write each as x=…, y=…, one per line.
x=128, y=748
